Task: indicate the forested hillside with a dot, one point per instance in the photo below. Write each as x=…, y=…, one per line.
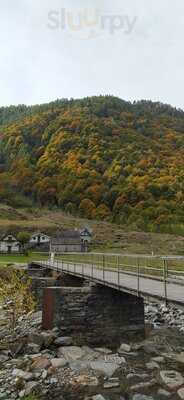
x=100, y=157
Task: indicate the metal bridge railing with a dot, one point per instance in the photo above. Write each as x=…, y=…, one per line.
x=104, y=267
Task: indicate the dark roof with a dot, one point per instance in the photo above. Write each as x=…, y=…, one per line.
x=66, y=237
x=8, y=234
x=85, y=231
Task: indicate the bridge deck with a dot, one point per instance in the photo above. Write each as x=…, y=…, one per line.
x=139, y=285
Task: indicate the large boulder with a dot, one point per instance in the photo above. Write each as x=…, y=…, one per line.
x=71, y=353
x=181, y=393
x=41, y=363
x=104, y=368
x=124, y=348
x=171, y=379
x=58, y=362
x=81, y=367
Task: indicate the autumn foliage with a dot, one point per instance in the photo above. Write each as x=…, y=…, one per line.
x=99, y=157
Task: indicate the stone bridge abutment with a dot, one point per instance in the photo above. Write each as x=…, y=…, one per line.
x=91, y=313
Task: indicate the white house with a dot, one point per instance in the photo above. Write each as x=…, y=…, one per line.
x=39, y=238
x=9, y=244
x=86, y=235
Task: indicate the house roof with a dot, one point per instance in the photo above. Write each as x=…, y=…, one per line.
x=85, y=231
x=66, y=237
x=38, y=233
x=8, y=234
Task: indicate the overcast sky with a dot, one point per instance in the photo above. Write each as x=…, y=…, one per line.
x=75, y=48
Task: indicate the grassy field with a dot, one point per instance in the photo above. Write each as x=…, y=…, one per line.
x=21, y=259
x=146, y=265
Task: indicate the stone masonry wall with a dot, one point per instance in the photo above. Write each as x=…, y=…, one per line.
x=95, y=315
x=38, y=285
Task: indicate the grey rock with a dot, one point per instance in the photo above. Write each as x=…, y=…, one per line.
x=81, y=367
x=58, y=362
x=124, y=348
x=48, y=338
x=158, y=359
x=180, y=358
x=171, y=379
x=137, y=376
x=44, y=374
x=143, y=385
x=111, y=383
x=90, y=354
x=3, y=358
x=63, y=341
x=36, y=338
x=31, y=387
x=115, y=358
x=104, y=368
x=41, y=363
x=87, y=381
x=18, y=373
x=141, y=397
x=103, y=350
x=164, y=394
x=53, y=381
x=71, y=353
x=33, y=348
x=22, y=394
x=181, y=393
x=150, y=348
x=152, y=365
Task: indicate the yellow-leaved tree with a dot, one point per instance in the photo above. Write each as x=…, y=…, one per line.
x=15, y=294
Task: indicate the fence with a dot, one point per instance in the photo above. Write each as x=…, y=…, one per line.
x=111, y=267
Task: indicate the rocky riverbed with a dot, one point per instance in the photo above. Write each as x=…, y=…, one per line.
x=52, y=367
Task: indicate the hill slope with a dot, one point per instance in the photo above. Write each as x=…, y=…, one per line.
x=100, y=157
x=106, y=236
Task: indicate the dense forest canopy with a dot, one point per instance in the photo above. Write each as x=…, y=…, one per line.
x=99, y=157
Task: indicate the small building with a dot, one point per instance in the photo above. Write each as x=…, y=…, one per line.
x=67, y=241
x=39, y=238
x=86, y=235
x=9, y=244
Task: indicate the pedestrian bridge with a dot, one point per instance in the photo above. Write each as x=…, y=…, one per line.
x=154, y=277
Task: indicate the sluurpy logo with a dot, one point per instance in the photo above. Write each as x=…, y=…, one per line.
x=88, y=24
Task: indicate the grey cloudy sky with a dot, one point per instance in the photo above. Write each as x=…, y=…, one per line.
x=129, y=48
